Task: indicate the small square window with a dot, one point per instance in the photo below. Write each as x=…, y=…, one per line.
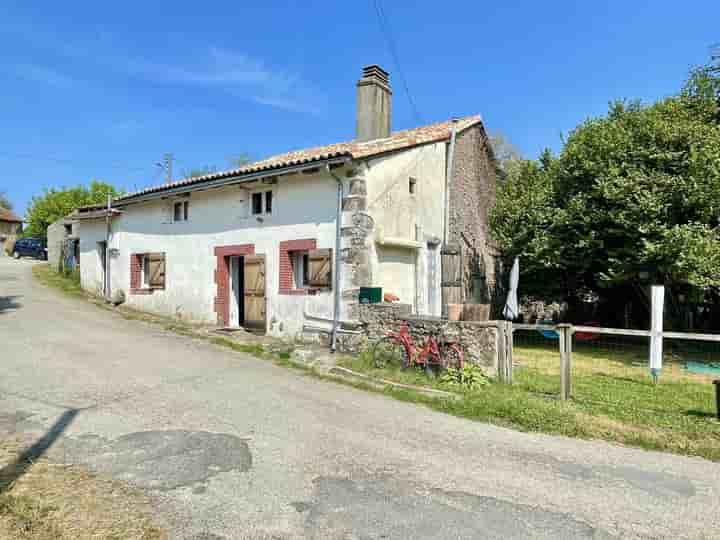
x=262, y=202
x=180, y=211
x=257, y=203
x=412, y=185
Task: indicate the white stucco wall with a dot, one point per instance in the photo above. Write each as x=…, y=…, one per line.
x=304, y=207
x=91, y=277
x=402, y=218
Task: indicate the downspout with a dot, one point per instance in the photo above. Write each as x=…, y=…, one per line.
x=107, y=249
x=337, y=262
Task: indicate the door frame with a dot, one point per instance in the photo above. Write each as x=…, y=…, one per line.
x=222, y=278
x=236, y=294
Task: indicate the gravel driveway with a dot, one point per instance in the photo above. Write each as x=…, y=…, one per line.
x=230, y=446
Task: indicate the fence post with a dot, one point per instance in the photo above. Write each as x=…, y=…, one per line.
x=657, y=297
x=566, y=332
x=509, y=352
x=504, y=351
x=500, y=342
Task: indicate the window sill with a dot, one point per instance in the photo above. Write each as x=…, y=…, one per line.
x=145, y=290
x=298, y=292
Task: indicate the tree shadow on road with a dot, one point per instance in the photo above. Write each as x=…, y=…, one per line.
x=10, y=473
x=9, y=303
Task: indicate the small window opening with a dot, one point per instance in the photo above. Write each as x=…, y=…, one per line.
x=257, y=203
x=180, y=211
x=262, y=202
x=412, y=185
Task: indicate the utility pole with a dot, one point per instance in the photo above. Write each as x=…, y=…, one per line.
x=169, y=167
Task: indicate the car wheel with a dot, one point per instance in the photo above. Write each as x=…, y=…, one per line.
x=16, y=255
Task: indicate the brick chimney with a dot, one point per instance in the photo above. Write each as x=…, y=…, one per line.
x=374, y=104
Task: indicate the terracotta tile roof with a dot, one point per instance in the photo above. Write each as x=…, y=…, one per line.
x=352, y=150
x=7, y=215
x=89, y=213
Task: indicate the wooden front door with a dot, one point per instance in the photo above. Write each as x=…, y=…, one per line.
x=451, y=268
x=254, y=292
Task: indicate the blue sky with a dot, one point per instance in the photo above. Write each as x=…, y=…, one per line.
x=103, y=90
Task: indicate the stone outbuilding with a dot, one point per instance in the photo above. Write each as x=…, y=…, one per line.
x=10, y=229
x=63, y=243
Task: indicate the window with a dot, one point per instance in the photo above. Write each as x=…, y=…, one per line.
x=262, y=202
x=412, y=185
x=147, y=272
x=180, y=212
x=257, y=203
x=300, y=265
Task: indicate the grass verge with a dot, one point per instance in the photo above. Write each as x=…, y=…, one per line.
x=53, y=502
x=611, y=402
x=674, y=416
x=69, y=284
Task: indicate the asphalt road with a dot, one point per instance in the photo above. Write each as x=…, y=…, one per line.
x=234, y=447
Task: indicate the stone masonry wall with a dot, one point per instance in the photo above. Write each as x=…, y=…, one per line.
x=477, y=339
x=472, y=196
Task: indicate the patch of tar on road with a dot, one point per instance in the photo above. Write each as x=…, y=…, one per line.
x=654, y=483
x=659, y=484
x=386, y=508
x=301, y=506
x=167, y=460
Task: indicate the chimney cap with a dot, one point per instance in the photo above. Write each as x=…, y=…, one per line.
x=373, y=71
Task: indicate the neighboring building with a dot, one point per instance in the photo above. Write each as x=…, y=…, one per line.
x=63, y=244
x=257, y=246
x=10, y=228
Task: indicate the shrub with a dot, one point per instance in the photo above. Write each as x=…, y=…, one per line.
x=470, y=377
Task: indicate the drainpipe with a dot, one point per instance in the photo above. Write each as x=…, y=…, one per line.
x=338, y=234
x=448, y=177
x=107, y=249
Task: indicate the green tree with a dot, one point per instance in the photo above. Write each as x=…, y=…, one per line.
x=198, y=171
x=633, y=198
x=509, y=159
x=4, y=201
x=239, y=161
x=234, y=162
x=54, y=204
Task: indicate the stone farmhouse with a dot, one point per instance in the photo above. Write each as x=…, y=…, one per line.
x=284, y=245
x=10, y=228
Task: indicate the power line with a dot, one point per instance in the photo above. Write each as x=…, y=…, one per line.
x=385, y=28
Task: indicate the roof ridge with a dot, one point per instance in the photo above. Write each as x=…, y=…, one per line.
x=8, y=215
x=397, y=140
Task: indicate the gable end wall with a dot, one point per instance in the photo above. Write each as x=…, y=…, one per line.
x=472, y=195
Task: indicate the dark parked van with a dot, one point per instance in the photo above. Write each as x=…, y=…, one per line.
x=30, y=247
